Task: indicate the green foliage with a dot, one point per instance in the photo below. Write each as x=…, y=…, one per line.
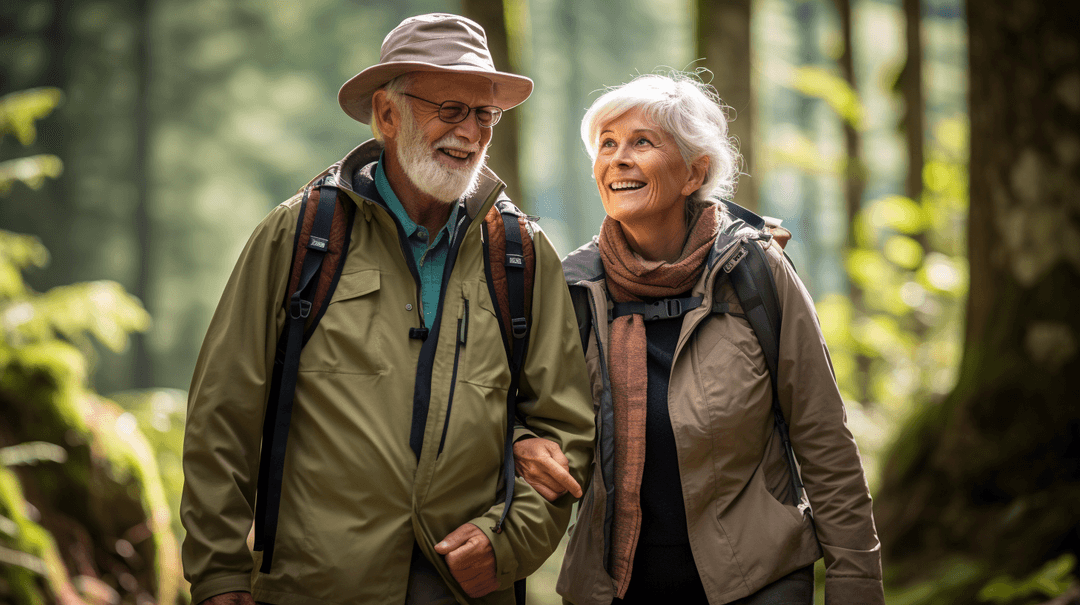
x=78, y=456
x=908, y=261
x=823, y=84
x=1052, y=580
x=160, y=415
x=19, y=111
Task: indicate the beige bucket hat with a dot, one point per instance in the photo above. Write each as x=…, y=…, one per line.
x=436, y=42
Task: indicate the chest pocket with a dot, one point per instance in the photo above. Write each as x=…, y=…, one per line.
x=484, y=353
x=350, y=336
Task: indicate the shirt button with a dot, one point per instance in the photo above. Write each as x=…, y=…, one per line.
x=422, y=233
x=408, y=307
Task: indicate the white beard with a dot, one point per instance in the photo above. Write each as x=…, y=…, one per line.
x=428, y=174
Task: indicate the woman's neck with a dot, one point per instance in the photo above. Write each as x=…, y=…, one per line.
x=655, y=240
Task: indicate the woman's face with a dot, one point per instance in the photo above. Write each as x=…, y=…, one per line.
x=639, y=171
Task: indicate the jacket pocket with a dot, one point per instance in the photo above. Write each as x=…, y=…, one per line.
x=349, y=337
x=484, y=363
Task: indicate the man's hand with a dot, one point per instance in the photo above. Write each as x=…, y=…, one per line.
x=230, y=598
x=471, y=560
x=542, y=464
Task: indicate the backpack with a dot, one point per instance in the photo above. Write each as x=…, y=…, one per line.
x=323, y=233
x=753, y=282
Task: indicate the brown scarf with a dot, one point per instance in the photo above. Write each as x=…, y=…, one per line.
x=629, y=278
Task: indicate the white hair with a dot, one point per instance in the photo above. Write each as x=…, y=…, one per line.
x=395, y=88
x=687, y=109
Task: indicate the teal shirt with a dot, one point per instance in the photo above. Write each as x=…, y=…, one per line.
x=428, y=253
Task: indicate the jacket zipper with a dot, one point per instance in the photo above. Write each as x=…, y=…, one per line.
x=462, y=331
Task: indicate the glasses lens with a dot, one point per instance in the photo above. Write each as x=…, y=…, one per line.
x=453, y=112
x=488, y=116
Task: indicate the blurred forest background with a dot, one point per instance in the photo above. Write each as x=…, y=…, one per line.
x=925, y=154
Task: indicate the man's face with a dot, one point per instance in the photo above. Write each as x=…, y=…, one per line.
x=442, y=160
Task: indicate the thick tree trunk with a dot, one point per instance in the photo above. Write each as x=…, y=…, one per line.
x=503, y=154
x=993, y=472
x=723, y=40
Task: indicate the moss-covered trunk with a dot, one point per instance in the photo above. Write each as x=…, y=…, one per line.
x=992, y=474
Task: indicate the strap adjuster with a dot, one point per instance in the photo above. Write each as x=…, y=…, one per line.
x=520, y=327
x=299, y=308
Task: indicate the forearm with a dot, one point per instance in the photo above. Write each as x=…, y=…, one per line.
x=531, y=532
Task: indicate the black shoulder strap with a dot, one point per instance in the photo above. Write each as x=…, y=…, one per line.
x=580, y=297
x=519, y=324
x=754, y=285
x=287, y=359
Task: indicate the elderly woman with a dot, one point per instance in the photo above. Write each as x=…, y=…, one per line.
x=692, y=498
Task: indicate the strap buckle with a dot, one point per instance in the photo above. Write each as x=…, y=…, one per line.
x=299, y=308
x=520, y=327
x=741, y=254
x=666, y=308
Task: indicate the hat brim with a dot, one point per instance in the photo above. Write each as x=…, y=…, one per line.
x=510, y=90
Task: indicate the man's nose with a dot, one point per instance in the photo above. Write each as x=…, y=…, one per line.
x=469, y=128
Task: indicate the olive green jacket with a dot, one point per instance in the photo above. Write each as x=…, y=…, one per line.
x=744, y=529
x=355, y=497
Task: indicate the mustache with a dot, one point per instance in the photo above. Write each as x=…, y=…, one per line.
x=454, y=142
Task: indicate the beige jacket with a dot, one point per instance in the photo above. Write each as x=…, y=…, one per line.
x=355, y=497
x=743, y=531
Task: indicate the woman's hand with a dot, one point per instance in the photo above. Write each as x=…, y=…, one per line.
x=542, y=464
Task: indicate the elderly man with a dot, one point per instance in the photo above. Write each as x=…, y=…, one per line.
x=389, y=491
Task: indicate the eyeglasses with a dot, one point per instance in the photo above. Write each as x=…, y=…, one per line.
x=455, y=112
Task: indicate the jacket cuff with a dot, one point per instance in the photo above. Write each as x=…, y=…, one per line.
x=853, y=591
x=522, y=432
x=219, y=585
x=505, y=561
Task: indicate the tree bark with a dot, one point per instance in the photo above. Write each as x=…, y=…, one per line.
x=993, y=473
x=723, y=41
x=503, y=153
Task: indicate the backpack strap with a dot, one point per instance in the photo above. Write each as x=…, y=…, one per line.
x=754, y=285
x=510, y=264
x=323, y=230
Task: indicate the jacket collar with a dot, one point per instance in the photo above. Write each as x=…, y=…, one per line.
x=354, y=173
x=584, y=264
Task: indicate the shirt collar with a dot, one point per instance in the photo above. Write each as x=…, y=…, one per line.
x=394, y=204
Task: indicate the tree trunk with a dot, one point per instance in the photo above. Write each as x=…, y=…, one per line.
x=993, y=473
x=503, y=154
x=854, y=185
x=144, y=367
x=723, y=40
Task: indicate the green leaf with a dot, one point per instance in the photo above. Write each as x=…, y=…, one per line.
x=904, y=251
x=19, y=111
x=897, y=213
x=831, y=88
x=31, y=170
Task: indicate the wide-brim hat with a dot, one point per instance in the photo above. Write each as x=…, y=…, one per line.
x=437, y=42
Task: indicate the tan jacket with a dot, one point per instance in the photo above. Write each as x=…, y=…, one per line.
x=355, y=497
x=743, y=531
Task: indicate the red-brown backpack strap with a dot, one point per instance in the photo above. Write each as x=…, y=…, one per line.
x=510, y=264
x=321, y=244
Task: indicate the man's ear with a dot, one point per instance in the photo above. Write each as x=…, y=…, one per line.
x=698, y=170
x=385, y=114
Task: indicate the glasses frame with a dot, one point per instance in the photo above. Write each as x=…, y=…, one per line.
x=495, y=111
